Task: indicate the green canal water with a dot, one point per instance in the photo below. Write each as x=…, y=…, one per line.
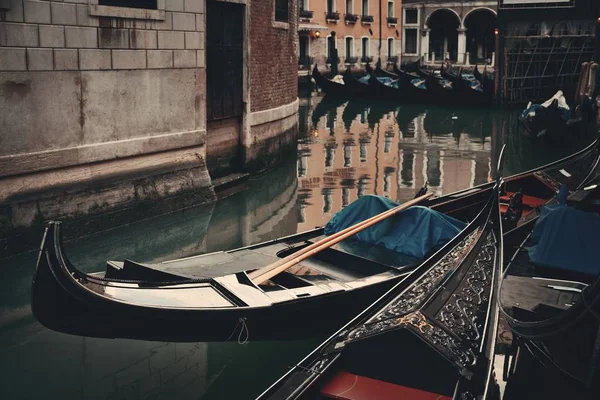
x=345, y=150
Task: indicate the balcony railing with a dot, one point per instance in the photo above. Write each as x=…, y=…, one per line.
x=392, y=60
x=350, y=60
x=366, y=59
x=367, y=19
x=392, y=20
x=332, y=16
x=350, y=18
x=306, y=14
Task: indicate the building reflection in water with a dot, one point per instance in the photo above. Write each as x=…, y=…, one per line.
x=400, y=148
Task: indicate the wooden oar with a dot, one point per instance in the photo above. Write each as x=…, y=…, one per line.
x=261, y=275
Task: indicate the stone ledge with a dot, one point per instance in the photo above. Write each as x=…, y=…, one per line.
x=274, y=114
x=46, y=184
x=46, y=160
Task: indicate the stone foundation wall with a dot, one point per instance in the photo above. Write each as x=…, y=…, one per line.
x=103, y=108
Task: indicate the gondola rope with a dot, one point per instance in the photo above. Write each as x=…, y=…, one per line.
x=244, y=328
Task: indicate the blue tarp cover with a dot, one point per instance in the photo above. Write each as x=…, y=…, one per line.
x=567, y=239
x=415, y=231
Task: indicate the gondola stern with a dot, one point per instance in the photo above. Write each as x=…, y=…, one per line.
x=46, y=291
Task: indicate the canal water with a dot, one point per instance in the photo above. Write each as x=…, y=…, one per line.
x=345, y=150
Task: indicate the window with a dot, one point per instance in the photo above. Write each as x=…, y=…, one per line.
x=391, y=50
x=365, y=7
x=349, y=47
x=330, y=6
x=147, y=4
x=410, y=41
x=302, y=5
x=390, y=8
x=365, y=47
x=411, y=16
x=282, y=10
x=349, y=7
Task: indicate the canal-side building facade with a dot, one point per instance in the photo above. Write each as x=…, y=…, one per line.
x=460, y=31
x=109, y=103
x=359, y=31
x=543, y=47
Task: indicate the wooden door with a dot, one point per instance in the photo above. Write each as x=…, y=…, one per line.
x=224, y=59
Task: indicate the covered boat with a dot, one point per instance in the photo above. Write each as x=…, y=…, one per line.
x=208, y=297
x=551, y=119
x=432, y=336
x=550, y=292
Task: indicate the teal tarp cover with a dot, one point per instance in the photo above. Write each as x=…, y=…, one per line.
x=566, y=239
x=415, y=231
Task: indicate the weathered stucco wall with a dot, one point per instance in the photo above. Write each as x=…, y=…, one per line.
x=102, y=108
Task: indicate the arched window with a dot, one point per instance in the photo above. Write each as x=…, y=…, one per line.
x=391, y=49
x=365, y=48
x=349, y=47
x=365, y=7
x=390, y=8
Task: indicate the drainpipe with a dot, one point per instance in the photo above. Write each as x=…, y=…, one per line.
x=380, y=28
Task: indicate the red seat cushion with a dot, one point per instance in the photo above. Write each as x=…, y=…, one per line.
x=527, y=200
x=347, y=386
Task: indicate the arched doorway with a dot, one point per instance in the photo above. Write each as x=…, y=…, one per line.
x=481, y=40
x=443, y=37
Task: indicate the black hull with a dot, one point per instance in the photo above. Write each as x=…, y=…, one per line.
x=439, y=94
x=328, y=86
x=59, y=305
x=563, y=334
x=355, y=88
x=384, y=74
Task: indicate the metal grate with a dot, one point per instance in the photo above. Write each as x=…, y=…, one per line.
x=539, y=61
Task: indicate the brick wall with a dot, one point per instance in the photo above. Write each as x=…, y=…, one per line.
x=273, y=56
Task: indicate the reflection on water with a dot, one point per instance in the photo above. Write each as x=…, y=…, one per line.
x=354, y=148
x=346, y=150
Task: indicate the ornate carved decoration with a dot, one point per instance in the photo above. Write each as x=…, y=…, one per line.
x=452, y=349
x=458, y=315
x=410, y=299
x=463, y=311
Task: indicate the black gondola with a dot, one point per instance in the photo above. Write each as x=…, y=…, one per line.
x=420, y=72
x=380, y=72
x=470, y=95
x=439, y=94
x=404, y=75
x=551, y=301
x=549, y=120
x=442, y=317
x=355, y=87
x=399, y=90
x=446, y=321
x=486, y=80
x=209, y=296
x=328, y=86
x=445, y=74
